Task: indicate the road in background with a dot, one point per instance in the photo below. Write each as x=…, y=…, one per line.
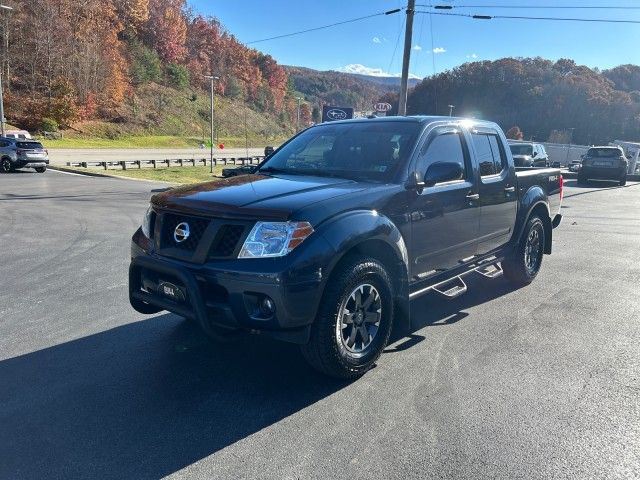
x=540, y=382
x=60, y=156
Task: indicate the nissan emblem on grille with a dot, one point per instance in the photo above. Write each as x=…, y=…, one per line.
x=181, y=233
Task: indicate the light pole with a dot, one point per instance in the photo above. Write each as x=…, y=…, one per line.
x=213, y=78
x=4, y=60
x=451, y=107
x=298, y=117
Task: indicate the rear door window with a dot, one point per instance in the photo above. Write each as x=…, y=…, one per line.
x=490, y=153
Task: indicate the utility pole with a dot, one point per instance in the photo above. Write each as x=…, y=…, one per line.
x=408, y=36
x=1, y=109
x=451, y=107
x=5, y=51
x=212, y=78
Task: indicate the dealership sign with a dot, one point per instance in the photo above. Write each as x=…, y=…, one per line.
x=330, y=114
x=382, y=107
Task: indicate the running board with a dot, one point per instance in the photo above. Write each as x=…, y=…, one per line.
x=453, y=291
x=490, y=271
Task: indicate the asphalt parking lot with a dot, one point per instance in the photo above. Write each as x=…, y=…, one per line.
x=541, y=382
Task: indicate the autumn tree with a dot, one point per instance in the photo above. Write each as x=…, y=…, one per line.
x=514, y=133
x=167, y=29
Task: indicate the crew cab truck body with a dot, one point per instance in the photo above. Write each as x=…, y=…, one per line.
x=333, y=235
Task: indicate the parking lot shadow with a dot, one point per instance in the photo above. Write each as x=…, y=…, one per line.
x=144, y=400
x=431, y=310
x=149, y=398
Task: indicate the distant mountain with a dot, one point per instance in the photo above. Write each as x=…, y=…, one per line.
x=393, y=82
x=344, y=89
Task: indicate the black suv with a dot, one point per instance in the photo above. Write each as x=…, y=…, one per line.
x=604, y=163
x=19, y=153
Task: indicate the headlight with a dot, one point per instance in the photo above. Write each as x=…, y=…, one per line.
x=274, y=239
x=146, y=222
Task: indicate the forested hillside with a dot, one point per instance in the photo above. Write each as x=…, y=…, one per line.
x=546, y=99
x=73, y=61
x=342, y=89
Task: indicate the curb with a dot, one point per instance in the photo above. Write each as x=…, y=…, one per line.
x=106, y=175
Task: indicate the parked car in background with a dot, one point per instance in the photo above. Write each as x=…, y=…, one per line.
x=604, y=163
x=235, y=171
x=18, y=153
x=575, y=166
x=18, y=134
x=529, y=154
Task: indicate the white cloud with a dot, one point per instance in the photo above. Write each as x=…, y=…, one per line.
x=417, y=47
x=370, y=71
x=439, y=50
x=473, y=55
x=376, y=40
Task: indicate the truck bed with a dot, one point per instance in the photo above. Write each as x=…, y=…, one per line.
x=546, y=178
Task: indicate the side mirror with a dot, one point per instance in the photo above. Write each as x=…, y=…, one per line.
x=443, y=172
x=535, y=154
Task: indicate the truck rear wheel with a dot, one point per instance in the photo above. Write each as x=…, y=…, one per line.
x=523, y=266
x=354, y=320
x=623, y=180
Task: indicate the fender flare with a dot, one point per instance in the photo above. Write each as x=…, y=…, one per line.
x=345, y=232
x=533, y=199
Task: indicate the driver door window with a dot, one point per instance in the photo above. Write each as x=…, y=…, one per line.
x=446, y=147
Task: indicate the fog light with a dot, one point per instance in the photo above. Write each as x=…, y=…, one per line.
x=267, y=307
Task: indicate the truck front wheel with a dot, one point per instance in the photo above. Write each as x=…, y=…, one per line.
x=525, y=262
x=354, y=321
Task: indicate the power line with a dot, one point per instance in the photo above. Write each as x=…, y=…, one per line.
x=517, y=17
x=351, y=20
x=395, y=48
x=556, y=7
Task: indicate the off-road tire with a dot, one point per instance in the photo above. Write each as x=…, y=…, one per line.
x=516, y=267
x=326, y=351
x=41, y=169
x=623, y=181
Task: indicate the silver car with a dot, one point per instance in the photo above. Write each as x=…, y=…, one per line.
x=19, y=153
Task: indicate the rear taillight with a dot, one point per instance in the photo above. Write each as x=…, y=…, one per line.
x=561, y=187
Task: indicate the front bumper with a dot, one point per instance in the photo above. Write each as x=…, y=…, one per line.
x=219, y=297
x=602, y=173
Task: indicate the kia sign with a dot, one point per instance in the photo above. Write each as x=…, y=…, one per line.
x=382, y=107
x=330, y=114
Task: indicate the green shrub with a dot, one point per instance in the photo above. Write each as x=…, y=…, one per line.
x=49, y=125
x=178, y=76
x=145, y=64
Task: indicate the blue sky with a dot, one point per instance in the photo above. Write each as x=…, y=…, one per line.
x=369, y=45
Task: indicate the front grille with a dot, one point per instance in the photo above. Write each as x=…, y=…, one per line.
x=226, y=241
x=170, y=221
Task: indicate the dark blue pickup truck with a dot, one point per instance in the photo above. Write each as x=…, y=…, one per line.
x=330, y=239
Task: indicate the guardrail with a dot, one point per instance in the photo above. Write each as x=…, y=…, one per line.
x=176, y=162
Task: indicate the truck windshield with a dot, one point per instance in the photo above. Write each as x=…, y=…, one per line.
x=359, y=150
x=521, y=149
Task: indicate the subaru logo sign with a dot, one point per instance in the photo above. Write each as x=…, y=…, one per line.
x=182, y=232
x=330, y=114
x=336, y=114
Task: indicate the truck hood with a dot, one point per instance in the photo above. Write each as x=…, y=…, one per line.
x=254, y=196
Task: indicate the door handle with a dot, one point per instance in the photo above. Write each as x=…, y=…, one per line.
x=510, y=189
x=473, y=196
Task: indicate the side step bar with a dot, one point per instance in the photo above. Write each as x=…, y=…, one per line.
x=455, y=286
x=490, y=271
x=450, y=291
